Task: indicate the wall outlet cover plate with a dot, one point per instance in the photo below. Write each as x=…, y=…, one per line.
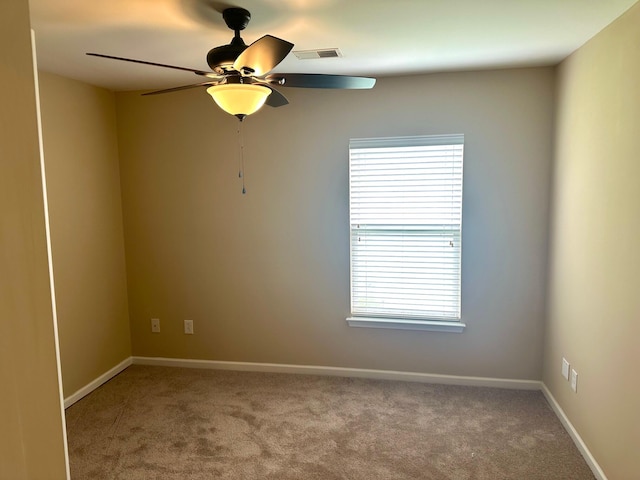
x=155, y=325
x=565, y=369
x=188, y=327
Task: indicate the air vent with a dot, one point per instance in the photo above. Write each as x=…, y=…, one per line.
x=323, y=53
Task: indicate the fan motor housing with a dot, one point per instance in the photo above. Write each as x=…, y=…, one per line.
x=221, y=59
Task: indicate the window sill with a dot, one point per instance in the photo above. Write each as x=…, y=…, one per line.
x=405, y=324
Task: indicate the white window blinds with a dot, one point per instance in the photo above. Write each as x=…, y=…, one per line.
x=406, y=219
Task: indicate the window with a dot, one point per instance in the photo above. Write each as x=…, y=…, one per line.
x=406, y=224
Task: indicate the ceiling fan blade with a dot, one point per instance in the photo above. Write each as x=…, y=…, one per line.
x=184, y=87
x=318, y=80
x=276, y=99
x=262, y=55
x=143, y=62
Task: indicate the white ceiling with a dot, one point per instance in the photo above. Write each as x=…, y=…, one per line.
x=376, y=37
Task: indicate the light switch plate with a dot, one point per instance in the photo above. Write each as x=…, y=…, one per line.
x=574, y=380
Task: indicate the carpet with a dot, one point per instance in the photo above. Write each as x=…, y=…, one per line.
x=173, y=423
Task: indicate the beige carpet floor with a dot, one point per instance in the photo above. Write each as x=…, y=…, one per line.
x=172, y=423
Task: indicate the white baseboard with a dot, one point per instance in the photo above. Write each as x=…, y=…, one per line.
x=105, y=377
x=573, y=433
x=341, y=372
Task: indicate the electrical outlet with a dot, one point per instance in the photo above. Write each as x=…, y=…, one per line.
x=565, y=368
x=188, y=327
x=574, y=380
x=155, y=325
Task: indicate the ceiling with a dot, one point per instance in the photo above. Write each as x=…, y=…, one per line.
x=375, y=37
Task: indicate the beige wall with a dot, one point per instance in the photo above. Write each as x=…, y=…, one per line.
x=79, y=132
x=31, y=419
x=594, y=305
x=265, y=276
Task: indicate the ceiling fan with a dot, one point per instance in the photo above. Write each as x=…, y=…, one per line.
x=239, y=80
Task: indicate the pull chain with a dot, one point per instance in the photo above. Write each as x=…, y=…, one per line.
x=241, y=157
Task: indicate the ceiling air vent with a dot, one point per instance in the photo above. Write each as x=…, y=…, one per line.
x=322, y=53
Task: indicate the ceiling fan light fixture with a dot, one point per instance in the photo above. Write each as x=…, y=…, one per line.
x=239, y=99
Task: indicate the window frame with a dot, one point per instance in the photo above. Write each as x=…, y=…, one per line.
x=405, y=322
